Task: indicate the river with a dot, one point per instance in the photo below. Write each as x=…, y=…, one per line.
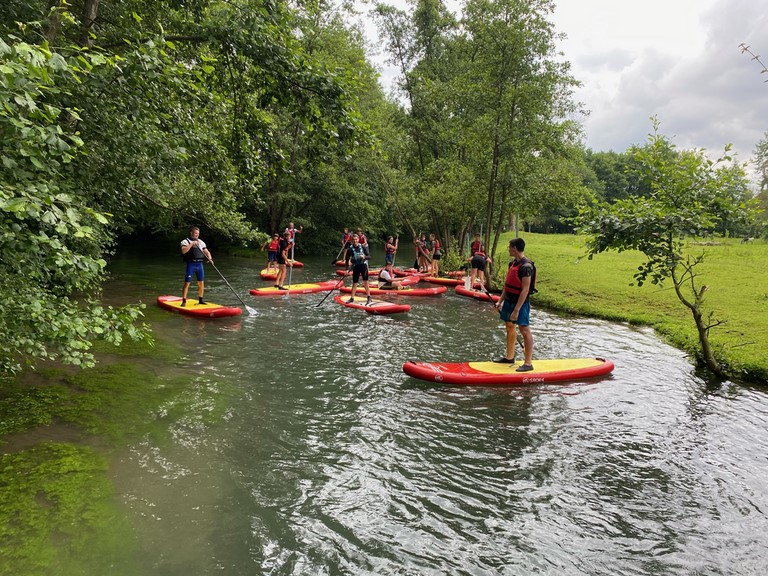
x=327, y=459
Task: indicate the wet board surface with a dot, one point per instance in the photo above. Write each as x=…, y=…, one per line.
x=499, y=374
x=406, y=291
x=479, y=293
x=295, y=289
x=375, y=306
x=207, y=310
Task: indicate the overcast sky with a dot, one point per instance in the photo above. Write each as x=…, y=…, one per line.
x=678, y=60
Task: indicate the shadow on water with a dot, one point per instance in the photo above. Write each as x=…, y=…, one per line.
x=329, y=460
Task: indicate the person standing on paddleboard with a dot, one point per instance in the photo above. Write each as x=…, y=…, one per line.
x=283, y=249
x=346, y=243
x=477, y=263
x=194, y=252
x=390, y=247
x=358, y=258
x=435, y=254
x=514, y=304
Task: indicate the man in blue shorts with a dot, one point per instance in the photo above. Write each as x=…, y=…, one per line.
x=514, y=304
x=194, y=253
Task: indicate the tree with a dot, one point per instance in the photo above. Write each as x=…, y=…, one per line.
x=51, y=240
x=690, y=196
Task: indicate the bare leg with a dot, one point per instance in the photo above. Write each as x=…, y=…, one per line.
x=527, y=343
x=511, y=339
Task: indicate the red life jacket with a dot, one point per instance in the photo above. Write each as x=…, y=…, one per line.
x=273, y=246
x=475, y=247
x=513, y=283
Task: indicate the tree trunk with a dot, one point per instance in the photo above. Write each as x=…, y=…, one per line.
x=90, y=11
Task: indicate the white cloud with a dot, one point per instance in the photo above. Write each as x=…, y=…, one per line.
x=685, y=68
x=678, y=60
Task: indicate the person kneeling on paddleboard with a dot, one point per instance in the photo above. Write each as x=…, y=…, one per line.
x=358, y=258
x=194, y=253
x=514, y=304
x=387, y=278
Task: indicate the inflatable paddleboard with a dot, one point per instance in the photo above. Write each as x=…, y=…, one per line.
x=295, y=289
x=375, y=307
x=479, y=293
x=443, y=281
x=296, y=263
x=268, y=274
x=493, y=374
x=371, y=272
x=406, y=291
x=207, y=310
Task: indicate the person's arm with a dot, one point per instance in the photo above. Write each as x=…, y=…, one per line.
x=208, y=254
x=186, y=247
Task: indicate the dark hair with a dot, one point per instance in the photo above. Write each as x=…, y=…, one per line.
x=518, y=244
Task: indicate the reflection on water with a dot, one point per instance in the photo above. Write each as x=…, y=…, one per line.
x=329, y=460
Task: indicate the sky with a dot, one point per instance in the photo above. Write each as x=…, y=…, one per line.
x=677, y=60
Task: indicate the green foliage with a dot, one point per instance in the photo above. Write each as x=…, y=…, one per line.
x=690, y=196
x=51, y=240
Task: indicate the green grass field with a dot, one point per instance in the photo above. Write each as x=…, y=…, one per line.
x=736, y=274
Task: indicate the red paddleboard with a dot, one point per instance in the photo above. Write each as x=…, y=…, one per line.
x=268, y=274
x=409, y=272
x=207, y=310
x=371, y=272
x=296, y=263
x=295, y=289
x=375, y=307
x=480, y=294
x=443, y=281
x=407, y=291
x=495, y=374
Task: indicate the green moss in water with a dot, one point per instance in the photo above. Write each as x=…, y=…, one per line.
x=58, y=514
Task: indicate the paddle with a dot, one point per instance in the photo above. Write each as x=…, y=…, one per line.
x=490, y=299
x=333, y=262
x=334, y=288
x=251, y=311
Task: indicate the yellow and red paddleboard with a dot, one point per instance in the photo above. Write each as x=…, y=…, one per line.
x=296, y=289
x=207, y=310
x=497, y=374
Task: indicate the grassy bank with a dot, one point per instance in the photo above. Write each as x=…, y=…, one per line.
x=736, y=274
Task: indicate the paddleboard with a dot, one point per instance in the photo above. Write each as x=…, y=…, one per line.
x=409, y=272
x=494, y=374
x=371, y=272
x=267, y=274
x=406, y=291
x=480, y=294
x=375, y=307
x=296, y=263
x=443, y=281
x=207, y=310
x=308, y=288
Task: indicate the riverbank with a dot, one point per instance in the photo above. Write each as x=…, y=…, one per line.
x=736, y=274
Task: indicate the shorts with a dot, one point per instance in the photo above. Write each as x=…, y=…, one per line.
x=387, y=286
x=195, y=268
x=523, y=317
x=389, y=258
x=436, y=256
x=361, y=270
x=478, y=263
x=271, y=256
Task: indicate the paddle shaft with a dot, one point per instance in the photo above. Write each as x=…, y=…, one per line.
x=334, y=288
x=251, y=311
